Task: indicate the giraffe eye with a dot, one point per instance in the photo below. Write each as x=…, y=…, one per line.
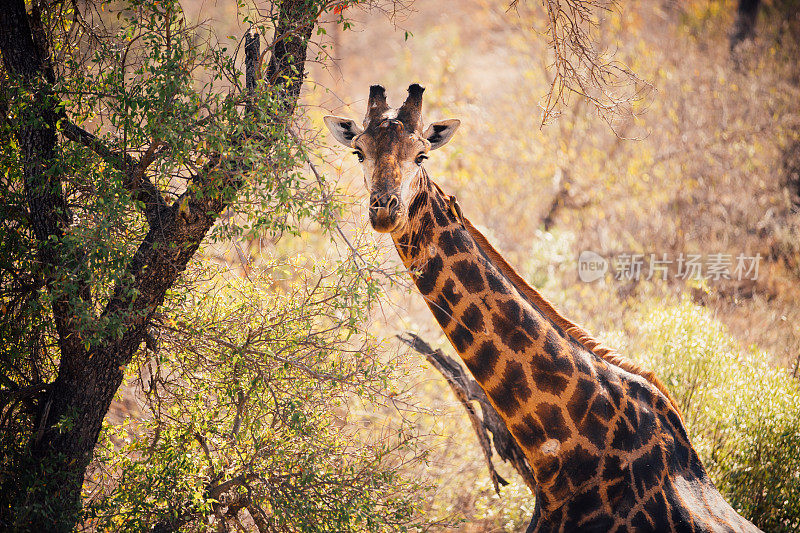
x=359, y=155
x=420, y=158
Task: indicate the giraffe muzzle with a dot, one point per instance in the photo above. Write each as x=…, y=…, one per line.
x=384, y=212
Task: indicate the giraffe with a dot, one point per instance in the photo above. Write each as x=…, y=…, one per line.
x=605, y=440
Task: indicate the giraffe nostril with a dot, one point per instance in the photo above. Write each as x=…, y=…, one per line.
x=390, y=203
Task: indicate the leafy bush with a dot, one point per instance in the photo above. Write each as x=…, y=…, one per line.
x=247, y=395
x=743, y=415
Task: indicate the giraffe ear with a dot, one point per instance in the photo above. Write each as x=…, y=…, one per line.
x=343, y=129
x=438, y=133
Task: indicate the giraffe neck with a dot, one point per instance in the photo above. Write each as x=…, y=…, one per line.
x=562, y=403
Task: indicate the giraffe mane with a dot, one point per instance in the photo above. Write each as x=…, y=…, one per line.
x=570, y=328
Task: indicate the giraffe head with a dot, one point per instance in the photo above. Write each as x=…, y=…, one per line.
x=391, y=147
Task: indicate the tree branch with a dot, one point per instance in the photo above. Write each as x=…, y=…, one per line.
x=467, y=390
x=133, y=170
x=289, y=49
x=166, y=250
